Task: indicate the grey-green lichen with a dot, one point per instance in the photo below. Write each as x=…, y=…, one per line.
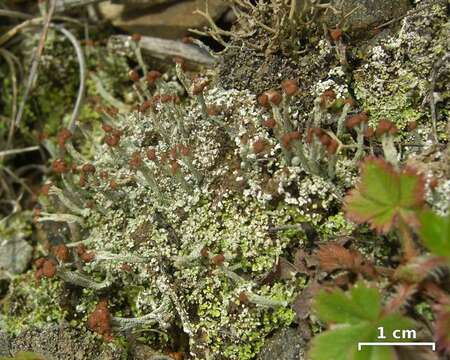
x=194, y=243
x=394, y=79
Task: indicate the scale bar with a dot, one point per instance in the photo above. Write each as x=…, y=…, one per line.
x=432, y=344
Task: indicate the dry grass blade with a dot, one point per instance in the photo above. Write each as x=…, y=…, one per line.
x=15, y=30
x=35, y=63
x=14, y=14
x=9, y=60
x=18, y=151
x=16, y=179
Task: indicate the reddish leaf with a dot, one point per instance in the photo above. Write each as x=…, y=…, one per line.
x=419, y=268
x=333, y=256
x=305, y=262
x=303, y=301
x=401, y=297
x=282, y=270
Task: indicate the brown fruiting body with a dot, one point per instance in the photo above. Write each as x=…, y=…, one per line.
x=45, y=189
x=152, y=77
x=133, y=75
x=112, y=140
x=412, y=125
x=136, y=37
x=263, y=100
x=88, y=256
x=353, y=121
x=204, y=252
x=174, y=167
x=259, y=146
x=213, y=110
x=336, y=34
x=218, y=259
x=287, y=138
x=99, y=320
x=384, y=126
x=198, y=88
x=82, y=181
x=147, y=104
x=40, y=262
x=332, y=147
x=327, y=97
x=48, y=269
x=61, y=252
x=325, y=139
x=269, y=123
x=63, y=136
x=243, y=298
x=180, y=61
x=59, y=166
x=113, y=184
x=88, y=169
x=136, y=160
x=369, y=132
x=274, y=97
x=290, y=87
x=107, y=128
x=151, y=154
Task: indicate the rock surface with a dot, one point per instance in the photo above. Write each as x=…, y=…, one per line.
x=15, y=254
x=4, y=344
x=64, y=343
x=287, y=344
x=367, y=12
x=171, y=20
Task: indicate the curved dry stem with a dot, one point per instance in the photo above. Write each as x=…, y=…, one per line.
x=82, y=67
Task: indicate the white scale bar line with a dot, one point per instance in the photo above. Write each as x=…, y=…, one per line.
x=432, y=344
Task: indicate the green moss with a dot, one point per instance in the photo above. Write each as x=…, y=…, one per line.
x=251, y=324
x=29, y=305
x=336, y=225
x=425, y=310
x=19, y=224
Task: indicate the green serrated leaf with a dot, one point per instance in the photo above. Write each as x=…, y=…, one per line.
x=361, y=304
x=367, y=299
x=378, y=353
x=358, y=313
x=393, y=322
x=435, y=232
x=384, y=195
x=338, y=344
